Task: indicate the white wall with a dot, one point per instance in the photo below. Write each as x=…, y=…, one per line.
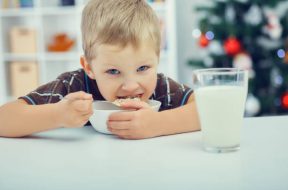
x=186, y=21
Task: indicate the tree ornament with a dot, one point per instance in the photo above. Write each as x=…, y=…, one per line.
x=253, y=16
x=276, y=78
x=252, y=106
x=242, y=61
x=215, y=48
x=230, y=14
x=242, y=1
x=268, y=43
x=286, y=51
x=273, y=28
x=215, y=19
x=208, y=61
x=196, y=33
x=232, y=46
x=284, y=100
x=203, y=41
x=286, y=57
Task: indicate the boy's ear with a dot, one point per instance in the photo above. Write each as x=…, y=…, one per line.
x=87, y=67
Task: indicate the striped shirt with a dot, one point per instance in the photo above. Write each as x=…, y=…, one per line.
x=168, y=92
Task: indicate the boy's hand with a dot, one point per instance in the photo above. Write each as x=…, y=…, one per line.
x=75, y=109
x=133, y=124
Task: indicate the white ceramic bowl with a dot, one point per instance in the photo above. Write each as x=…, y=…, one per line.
x=102, y=110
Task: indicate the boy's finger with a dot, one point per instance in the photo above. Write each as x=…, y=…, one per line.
x=120, y=116
x=87, y=115
x=81, y=95
x=83, y=105
x=123, y=125
x=120, y=133
x=134, y=104
x=89, y=112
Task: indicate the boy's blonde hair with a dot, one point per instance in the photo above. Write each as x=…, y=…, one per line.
x=118, y=22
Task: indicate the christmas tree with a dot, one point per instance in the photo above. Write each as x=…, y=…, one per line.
x=253, y=35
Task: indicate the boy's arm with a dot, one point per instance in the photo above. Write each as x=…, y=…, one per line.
x=146, y=123
x=19, y=119
x=178, y=120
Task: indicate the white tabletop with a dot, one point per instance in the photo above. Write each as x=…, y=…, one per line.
x=68, y=159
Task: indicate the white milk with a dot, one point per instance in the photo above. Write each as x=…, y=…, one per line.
x=221, y=112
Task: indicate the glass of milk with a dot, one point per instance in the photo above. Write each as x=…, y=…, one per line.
x=220, y=95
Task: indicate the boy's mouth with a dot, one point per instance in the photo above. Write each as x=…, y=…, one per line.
x=130, y=97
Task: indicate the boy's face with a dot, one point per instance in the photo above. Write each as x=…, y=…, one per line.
x=125, y=72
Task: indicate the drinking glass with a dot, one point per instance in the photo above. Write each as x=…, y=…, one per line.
x=220, y=95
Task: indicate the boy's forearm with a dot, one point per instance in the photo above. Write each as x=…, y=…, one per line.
x=19, y=119
x=179, y=120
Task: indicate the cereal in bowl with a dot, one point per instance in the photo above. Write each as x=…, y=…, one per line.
x=119, y=101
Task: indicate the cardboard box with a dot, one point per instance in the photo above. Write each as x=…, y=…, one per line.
x=9, y=4
x=23, y=40
x=24, y=77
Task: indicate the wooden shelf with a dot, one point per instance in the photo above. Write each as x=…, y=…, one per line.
x=65, y=10
x=10, y=57
x=18, y=12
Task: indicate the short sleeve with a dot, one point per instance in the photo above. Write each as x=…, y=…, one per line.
x=54, y=91
x=170, y=93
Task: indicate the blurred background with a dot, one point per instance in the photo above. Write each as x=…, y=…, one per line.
x=40, y=39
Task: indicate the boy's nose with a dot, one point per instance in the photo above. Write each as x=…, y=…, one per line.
x=129, y=86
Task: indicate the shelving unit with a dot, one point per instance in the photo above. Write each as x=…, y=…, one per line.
x=48, y=18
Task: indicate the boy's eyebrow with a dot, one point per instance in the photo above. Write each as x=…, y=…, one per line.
x=147, y=60
x=111, y=63
x=108, y=64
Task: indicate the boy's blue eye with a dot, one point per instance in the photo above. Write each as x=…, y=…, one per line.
x=142, y=68
x=113, y=72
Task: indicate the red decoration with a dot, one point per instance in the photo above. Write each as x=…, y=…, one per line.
x=203, y=41
x=61, y=42
x=232, y=46
x=285, y=100
x=286, y=57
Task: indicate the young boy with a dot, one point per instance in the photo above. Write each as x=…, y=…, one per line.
x=121, y=42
